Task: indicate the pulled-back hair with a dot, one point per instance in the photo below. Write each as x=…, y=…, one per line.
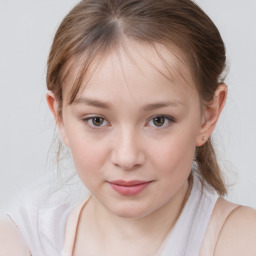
x=94, y=27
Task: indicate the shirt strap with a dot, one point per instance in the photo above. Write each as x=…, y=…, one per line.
x=71, y=228
x=222, y=210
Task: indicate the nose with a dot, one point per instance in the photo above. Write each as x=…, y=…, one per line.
x=127, y=150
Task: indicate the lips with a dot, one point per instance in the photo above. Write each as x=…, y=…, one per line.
x=129, y=188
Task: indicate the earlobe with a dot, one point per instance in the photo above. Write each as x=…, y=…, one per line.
x=54, y=108
x=211, y=114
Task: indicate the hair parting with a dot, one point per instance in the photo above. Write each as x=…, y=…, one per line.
x=94, y=28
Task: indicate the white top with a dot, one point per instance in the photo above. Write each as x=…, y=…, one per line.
x=49, y=223
x=41, y=213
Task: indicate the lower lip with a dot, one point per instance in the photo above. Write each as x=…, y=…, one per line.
x=131, y=190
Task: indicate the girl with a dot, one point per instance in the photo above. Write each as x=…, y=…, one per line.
x=136, y=89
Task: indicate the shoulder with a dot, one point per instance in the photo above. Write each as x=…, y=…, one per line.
x=237, y=235
x=11, y=240
x=41, y=219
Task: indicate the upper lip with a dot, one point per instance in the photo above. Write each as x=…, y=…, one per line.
x=129, y=183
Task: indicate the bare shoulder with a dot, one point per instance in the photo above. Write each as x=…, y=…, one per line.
x=238, y=234
x=11, y=240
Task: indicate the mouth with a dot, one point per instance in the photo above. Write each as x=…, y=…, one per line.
x=129, y=188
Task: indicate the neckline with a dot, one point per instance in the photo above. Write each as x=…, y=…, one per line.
x=83, y=204
x=74, y=220
x=75, y=217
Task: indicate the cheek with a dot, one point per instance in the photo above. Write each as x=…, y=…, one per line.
x=175, y=156
x=172, y=162
x=88, y=155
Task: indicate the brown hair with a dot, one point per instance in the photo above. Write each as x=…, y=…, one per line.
x=94, y=27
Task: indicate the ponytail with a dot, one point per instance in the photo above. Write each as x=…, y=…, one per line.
x=208, y=167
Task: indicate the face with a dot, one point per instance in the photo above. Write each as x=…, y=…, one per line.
x=133, y=129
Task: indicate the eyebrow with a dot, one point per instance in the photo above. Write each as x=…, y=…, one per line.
x=154, y=106
x=92, y=102
x=146, y=108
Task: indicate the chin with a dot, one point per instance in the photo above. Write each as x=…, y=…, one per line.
x=131, y=211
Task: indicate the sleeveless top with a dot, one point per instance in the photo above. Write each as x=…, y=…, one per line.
x=50, y=229
x=188, y=233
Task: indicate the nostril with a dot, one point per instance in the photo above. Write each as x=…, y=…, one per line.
x=128, y=161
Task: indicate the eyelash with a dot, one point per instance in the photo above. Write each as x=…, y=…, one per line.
x=87, y=120
x=167, y=118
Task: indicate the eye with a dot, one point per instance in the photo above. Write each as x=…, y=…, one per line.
x=96, y=121
x=161, y=121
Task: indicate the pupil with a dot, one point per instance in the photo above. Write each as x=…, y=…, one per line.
x=159, y=121
x=97, y=121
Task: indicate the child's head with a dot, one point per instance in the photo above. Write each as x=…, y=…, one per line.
x=133, y=43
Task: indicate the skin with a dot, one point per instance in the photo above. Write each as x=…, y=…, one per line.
x=238, y=235
x=130, y=146
x=233, y=235
x=127, y=143
x=11, y=241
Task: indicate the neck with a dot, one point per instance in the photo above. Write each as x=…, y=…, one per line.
x=150, y=229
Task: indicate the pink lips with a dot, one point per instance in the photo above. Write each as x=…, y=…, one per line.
x=129, y=188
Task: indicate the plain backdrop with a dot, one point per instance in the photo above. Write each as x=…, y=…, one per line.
x=27, y=28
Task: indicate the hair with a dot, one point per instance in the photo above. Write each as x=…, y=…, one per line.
x=94, y=27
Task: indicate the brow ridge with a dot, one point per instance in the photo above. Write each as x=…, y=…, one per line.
x=146, y=108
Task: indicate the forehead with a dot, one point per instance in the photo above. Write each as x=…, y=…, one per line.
x=137, y=68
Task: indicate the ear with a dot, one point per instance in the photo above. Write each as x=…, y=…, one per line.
x=53, y=105
x=211, y=114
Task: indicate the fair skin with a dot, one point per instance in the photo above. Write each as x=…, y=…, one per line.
x=132, y=123
x=236, y=236
x=131, y=143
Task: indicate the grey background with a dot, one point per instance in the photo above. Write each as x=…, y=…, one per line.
x=26, y=128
